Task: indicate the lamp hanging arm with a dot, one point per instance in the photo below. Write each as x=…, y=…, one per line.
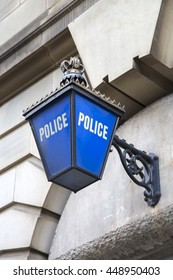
x=142, y=168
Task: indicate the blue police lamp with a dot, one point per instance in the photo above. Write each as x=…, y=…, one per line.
x=74, y=128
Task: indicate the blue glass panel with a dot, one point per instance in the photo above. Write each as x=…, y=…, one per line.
x=94, y=128
x=52, y=131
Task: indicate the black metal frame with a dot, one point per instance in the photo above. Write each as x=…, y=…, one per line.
x=71, y=89
x=142, y=168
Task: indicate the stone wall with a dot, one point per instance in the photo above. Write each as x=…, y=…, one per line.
x=28, y=214
x=126, y=58
x=18, y=14
x=34, y=40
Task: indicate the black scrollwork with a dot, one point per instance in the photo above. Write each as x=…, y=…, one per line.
x=141, y=168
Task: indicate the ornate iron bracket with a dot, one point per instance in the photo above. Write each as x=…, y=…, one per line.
x=142, y=168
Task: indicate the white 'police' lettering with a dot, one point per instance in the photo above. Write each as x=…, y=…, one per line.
x=54, y=126
x=92, y=125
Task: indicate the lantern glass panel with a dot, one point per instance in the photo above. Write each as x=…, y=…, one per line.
x=52, y=130
x=94, y=130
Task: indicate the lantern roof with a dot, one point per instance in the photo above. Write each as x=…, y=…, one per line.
x=73, y=75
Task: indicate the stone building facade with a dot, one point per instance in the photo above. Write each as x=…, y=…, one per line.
x=127, y=50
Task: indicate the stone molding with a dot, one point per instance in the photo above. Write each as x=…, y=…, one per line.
x=140, y=239
x=44, y=43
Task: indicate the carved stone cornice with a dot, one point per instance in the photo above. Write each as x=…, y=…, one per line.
x=38, y=49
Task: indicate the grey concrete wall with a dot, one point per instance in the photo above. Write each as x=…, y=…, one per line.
x=114, y=208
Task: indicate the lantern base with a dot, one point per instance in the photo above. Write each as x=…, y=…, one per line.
x=74, y=179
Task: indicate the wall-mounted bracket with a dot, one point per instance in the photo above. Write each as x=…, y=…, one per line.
x=142, y=168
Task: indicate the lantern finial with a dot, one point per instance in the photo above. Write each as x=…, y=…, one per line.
x=73, y=70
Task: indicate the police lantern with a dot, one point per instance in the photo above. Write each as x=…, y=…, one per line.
x=73, y=128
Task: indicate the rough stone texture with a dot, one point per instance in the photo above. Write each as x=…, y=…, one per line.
x=112, y=211
x=143, y=238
